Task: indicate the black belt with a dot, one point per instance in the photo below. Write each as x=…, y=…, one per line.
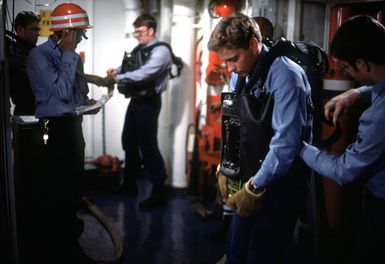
x=64, y=118
x=146, y=98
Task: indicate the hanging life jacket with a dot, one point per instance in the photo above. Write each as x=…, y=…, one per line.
x=138, y=57
x=246, y=119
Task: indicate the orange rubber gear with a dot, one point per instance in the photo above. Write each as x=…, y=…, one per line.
x=69, y=15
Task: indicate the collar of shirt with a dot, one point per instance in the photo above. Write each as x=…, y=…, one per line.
x=264, y=50
x=151, y=42
x=378, y=89
x=234, y=76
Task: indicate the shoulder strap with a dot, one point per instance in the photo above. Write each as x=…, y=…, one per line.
x=137, y=48
x=304, y=54
x=156, y=44
x=176, y=60
x=12, y=35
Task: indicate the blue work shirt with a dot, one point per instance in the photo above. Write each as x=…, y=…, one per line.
x=57, y=80
x=156, y=68
x=364, y=158
x=287, y=83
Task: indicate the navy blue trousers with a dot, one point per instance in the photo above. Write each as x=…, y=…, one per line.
x=265, y=237
x=370, y=244
x=140, y=140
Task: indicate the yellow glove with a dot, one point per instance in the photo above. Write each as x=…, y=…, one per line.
x=245, y=202
x=222, y=183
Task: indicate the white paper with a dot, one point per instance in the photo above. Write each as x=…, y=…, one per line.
x=87, y=108
x=28, y=119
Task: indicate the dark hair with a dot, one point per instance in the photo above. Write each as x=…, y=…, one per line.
x=265, y=26
x=25, y=18
x=360, y=37
x=146, y=20
x=234, y=31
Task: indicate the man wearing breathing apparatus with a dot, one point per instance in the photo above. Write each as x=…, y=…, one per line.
x=260, y=176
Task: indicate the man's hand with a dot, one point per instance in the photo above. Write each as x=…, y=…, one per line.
x=92, y=102
x=110, y=83
x=245, y=202
x=111, y=73
x=341, y=104
x=107, y=81
x=68, y=41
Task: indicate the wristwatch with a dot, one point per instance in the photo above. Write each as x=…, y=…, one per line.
x=255, y=189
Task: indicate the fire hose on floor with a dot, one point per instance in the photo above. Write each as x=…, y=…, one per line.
x=109, y=226
x=111, y=163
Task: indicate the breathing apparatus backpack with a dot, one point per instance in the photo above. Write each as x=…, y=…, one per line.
x=138, y=57
x=246, y=119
